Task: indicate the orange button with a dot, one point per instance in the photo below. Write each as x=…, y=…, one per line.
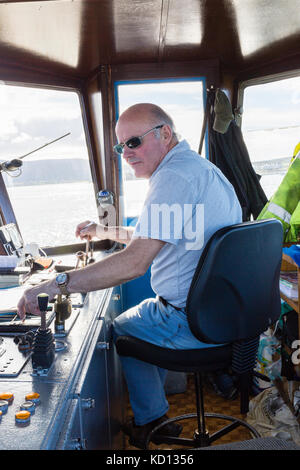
x=34, y=397
x=7, y=396
x=22, y=415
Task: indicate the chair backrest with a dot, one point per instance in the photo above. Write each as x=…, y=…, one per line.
x=234, y=294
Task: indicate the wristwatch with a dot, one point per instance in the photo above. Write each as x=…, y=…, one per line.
x=62, y=280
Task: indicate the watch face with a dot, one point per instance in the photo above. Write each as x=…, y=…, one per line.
x=61, y=278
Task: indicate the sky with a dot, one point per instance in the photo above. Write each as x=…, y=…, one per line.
x=183, y=100
x=32, y=117
x=271, y=119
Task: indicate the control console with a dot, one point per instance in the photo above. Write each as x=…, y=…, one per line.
x=37, y=337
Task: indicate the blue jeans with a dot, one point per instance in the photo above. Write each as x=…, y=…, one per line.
x=160, y=325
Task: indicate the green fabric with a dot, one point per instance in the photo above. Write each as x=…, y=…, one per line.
x=286, y=199
x=293, y=234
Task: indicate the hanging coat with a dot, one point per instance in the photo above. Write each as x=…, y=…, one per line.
x=228, y=152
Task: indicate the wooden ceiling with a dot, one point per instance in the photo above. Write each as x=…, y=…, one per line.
x=72, y=38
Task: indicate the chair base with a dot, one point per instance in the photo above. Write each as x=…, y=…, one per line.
x=202, y=439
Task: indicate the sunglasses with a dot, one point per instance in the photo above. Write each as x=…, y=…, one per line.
x=134, y=142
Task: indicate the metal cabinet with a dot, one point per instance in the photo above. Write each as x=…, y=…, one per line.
x=96, y=406
x=115, y=382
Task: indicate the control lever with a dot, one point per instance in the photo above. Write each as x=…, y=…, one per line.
x=43, y=343
x=89, y=247
x=25, y=341
x=81, y=259
x=92, y=259
x=89, y=251
x=63, y=310
x=43, y=304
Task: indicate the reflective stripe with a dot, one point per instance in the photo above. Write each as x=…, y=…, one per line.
x=280, y=212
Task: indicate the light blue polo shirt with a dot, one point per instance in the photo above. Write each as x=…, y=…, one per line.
x=188, y=200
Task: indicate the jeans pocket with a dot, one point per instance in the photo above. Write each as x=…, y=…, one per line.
x=173, y=329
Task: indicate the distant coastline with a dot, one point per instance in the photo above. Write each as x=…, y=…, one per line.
x=52, y=171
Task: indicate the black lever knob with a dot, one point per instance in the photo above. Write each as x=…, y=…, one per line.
x=43, y=302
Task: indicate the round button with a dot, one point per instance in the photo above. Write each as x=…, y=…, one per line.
x=3, y=406
x=28, y=406
x=7, y=396
x=22, y=416
x=34, y=397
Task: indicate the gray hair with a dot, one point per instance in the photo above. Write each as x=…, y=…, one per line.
x=153, y=114
x=161, y=117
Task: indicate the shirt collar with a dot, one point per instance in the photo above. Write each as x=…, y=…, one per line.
x=182, y=146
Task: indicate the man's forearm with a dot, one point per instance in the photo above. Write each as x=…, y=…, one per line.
x=110, y=271
x=119, y=234
x=113, y=270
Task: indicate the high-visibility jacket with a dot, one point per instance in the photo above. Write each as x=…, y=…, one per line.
x=293, y=234
x=284, y=205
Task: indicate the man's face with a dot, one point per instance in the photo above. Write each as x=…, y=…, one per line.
x=144, y=159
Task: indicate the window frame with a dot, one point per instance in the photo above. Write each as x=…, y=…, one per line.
x=261, y=80
x=7, y=214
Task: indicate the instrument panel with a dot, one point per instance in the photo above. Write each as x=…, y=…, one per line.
x=18, y=337
x=67, y=359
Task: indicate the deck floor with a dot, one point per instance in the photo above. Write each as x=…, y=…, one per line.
x=185, y=403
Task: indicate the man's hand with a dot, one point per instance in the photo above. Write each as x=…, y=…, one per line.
x=86, y=230
x=89, y=230
x=28, y=302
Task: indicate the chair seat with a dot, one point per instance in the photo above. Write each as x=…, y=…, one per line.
x=187, y=360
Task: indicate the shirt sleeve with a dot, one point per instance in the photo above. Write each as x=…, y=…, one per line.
x=164, y=210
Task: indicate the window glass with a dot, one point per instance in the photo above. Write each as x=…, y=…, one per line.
x=270, y=125
x=183, y=101
x=52, y=192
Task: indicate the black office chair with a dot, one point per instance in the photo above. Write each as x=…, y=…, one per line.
x=233, y=298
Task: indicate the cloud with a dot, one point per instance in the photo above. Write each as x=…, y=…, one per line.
x=22, y=137
x=266, y=118
x=31, y=117
x=7, y=129
x=166, y=93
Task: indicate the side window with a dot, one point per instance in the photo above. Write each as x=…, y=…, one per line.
x=53, y=190
x=183, y=100
x=270, y=125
